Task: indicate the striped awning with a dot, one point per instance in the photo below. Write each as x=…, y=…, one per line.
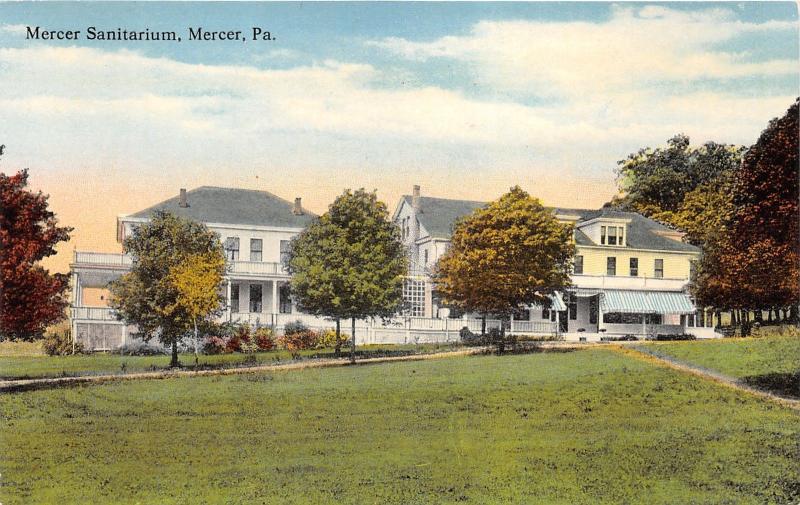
x=585, y=292
x=556, y=303
x=645, y=302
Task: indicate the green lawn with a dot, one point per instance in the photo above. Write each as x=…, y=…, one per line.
x=737, y=357
x=36, y=366
x=589, y=426
x=771, y=363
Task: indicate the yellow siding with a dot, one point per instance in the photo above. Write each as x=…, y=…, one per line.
x=676, y=266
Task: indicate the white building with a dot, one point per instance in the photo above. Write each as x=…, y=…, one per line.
x=255, y=227
x=631, y=274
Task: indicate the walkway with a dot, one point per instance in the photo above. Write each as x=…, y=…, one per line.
x=650, y=356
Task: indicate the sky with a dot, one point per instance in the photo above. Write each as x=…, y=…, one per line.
x=464, y=99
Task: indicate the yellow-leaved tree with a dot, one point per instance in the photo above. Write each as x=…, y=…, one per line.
x=197, y=281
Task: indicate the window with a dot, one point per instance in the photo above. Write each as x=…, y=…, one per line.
x=611, y=265
x=285, y=249
x=255, y=249
x=634, y=267
x=545, y=313
x=414, y=297
x=255, y=298
x=593, y=310
x=232, y=248
x=234, y=298
x=621, y=235
x=578, y=265
x=572, y=306
x=285, y=294
x=602, y=235
x=522, y=314
x=612, y=235
x=426, y=257
x=653, y=318
x=659, y=268
x=622, y=318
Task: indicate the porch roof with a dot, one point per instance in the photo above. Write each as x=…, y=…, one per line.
x=645, y=302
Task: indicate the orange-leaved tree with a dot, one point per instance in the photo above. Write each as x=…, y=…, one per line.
x=511, y=253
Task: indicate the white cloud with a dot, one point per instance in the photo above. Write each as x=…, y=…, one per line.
x=85, y=105
x=635, y=49
x=15, y=29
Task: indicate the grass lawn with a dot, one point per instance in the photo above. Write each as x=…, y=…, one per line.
x=771, y=363
x=737, y=357
x=589, y=426
x=25, y=366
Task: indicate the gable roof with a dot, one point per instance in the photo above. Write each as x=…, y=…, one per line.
x=438, y=215
x=210, y=204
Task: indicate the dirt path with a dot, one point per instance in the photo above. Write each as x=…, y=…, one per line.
x=54, y=382
x=18, y=385
x=703, y=373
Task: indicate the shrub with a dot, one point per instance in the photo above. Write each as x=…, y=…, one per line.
x=214, y=345
x=295, y=327
x=264, y=339
x=327, y=339
x=140, y=348
x=240, y=335
x=680, y=336
x=623, y=338
x=58, y=341
x=469, y=338
x=299, y=341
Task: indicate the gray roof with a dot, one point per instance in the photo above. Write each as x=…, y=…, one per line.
x=438, y=216
x=209, y=204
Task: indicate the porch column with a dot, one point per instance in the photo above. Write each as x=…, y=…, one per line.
x=275, y=297
x=644, y=324
x=228, y=300
x=558, y=322
x=599, y=314
x=511, y=330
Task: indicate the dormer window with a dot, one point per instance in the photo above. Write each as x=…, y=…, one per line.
x=612, y=235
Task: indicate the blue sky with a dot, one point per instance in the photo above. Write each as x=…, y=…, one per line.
x=465, y=99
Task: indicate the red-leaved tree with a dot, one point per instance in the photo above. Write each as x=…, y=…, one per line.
x=764, y=241
x=31, y=298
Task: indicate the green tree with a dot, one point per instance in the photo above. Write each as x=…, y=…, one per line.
x=148, y=295
x=198, y=281
x=504, y=256
x=656, y=182
x=349, y=263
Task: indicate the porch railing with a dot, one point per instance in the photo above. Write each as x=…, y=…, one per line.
x=94, y=313
x=256, y=268
x=102, y=259
x=535, y=327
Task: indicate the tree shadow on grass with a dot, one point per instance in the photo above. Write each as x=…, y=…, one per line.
x=785, y=384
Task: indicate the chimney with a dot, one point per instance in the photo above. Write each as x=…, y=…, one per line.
x=298, y=207
x=415, y=198
x=182, y=201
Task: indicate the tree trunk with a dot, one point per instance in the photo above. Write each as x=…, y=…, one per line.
x=338, y=348
x=353, y=342
x=174, y=362
x=483, y=324
x=719, y=318
x=769, y=315
x=196, y=356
